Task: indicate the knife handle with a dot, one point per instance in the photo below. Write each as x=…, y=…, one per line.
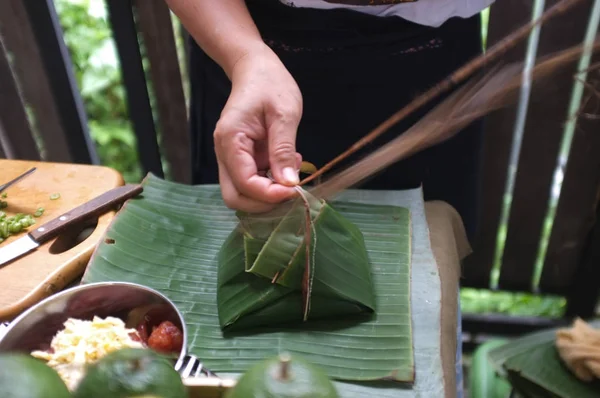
x=94, y=207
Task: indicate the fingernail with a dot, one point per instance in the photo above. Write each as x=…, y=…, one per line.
x=290, y=176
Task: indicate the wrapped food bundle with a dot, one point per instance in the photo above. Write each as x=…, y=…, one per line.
x=300, y=262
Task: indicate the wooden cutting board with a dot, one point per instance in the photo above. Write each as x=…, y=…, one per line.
x=53, y=265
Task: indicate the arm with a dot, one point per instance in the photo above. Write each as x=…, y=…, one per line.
x=257, y=128
x=223, y=28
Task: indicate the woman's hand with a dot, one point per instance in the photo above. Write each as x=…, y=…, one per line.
x=257, y=132
x=257, y=128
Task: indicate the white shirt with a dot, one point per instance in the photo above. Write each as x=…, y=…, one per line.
x=424, y=12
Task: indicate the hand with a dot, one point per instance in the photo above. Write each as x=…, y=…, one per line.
x=257, y=132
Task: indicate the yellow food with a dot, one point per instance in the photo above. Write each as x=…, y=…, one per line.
x=84, y=342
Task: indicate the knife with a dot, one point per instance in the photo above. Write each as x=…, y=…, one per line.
x=3, y=187
x=43, y=233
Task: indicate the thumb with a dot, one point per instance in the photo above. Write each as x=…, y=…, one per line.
x=283, y=158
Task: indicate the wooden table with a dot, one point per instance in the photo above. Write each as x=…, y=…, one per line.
x=56, y=263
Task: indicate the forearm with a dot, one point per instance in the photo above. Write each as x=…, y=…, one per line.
x=223, y=28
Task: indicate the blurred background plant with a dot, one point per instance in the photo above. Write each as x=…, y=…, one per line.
x=88, y=37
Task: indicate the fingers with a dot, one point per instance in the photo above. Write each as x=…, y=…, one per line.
x=261, y=156
x=298, y=161
x=237, y=201
x=241, y=167
x=241, y=185
x=234, y=200
x=257, y=132
x=282, y=125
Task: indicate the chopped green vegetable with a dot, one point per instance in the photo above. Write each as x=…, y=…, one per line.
x=17, y=223
x=4, y=195
x=54, y=196
x=14, y=225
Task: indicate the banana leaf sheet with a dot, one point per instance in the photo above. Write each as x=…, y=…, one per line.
x=533, y=366
x=169, y=239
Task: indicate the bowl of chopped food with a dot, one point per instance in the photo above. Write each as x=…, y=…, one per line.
x=78, y=326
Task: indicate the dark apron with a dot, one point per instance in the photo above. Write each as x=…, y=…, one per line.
x=355, y=70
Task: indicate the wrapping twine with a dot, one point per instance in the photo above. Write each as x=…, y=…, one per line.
x=579, y=348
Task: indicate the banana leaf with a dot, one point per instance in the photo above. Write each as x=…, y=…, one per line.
x=532, y=365
x=309, y=263
x=171, y=237
x=546, y=376
x=499, y=355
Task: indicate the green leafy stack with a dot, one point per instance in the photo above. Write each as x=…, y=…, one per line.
x=304, y=261
x=535, y=369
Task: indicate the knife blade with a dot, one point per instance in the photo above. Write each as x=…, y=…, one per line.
x=97, y=206
x=3, y=187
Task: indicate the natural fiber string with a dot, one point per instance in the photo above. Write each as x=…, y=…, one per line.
x=459, y=76
x=475, y=99
x=309, y=232
x=310, y=257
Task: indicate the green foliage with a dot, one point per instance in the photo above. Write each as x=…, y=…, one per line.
x=520, y=304
x=117, y=148
x=91, y=47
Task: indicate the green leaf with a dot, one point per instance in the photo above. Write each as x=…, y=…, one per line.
x=498, y=356
x=532, y=364
x=483, y=380
x=95, y=80
x=274, y=252
x=540, y=370
x=170, y=238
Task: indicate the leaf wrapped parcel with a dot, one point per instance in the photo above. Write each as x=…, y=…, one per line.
x=302, y=261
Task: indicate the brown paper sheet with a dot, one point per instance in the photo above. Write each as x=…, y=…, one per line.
x=450, y=246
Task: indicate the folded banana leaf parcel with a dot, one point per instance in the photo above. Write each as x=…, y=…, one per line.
x=299, y=262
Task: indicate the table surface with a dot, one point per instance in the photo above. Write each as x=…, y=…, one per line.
x=48, y=269
x=439, y=245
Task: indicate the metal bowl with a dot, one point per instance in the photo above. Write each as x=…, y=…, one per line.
x=35, y=328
